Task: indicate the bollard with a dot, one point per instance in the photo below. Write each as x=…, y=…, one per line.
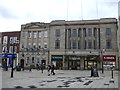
x=112, y=73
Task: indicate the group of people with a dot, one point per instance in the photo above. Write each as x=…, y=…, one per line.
x=50, y=68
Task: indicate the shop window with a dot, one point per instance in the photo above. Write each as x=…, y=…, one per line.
x=33, y=59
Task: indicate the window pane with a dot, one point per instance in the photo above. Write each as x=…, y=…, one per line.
x=40, y=35
x=79, y=32
x=89, y=44
x=74, y=44
x=84, y=32
x=57, y=44
x=57, y=33
x=45, y=33
x=45, y=45
x=23, y=34
x=90, y=32
x=39, y=45
x=35, y=34
x=29, y=34
x=108, y=31
x=74, y=33
x=108, y=44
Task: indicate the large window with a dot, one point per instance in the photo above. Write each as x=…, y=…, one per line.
x=45, y=45
x=84, y=32
x=23, y=34
x=33, y=59
x=39, y=34
x=45, y=33
x=57, y=44
x=74, y=33
x=5, y=39
x=34, y=45
x=39, y=45
x=89, y=44
x=10, y=49
x=95, y=32
x=57, y=33
x=35, y=34
x=74, y=44
x=29, y=45
x=108, y=32
x=79, y=32
x=108, y=44
x=22, y=46
x=89, y=32
x=29, y=34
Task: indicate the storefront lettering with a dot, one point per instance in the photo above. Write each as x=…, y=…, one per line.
x=109, y=58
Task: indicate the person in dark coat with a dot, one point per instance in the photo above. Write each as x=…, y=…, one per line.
x=38, y=66
x=42, y=67
x=52, y=70
x=49, y=68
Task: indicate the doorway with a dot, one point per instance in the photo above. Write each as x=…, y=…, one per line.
x=22, y=63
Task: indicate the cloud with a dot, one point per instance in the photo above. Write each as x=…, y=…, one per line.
x=17, y=12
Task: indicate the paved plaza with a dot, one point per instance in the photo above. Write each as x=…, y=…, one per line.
x=62, y=79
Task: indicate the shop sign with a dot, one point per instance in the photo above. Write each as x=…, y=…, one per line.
x=57, y=57
x=109, y=58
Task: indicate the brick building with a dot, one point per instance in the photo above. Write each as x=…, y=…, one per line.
x=10, y=47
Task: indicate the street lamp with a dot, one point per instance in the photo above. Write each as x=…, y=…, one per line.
x=101, y=58
x=13, y=43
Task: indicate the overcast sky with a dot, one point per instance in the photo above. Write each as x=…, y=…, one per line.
x=13, y=13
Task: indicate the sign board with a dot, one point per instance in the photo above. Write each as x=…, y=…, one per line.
x=8, y=55
x=57, y=57
x=109, y=58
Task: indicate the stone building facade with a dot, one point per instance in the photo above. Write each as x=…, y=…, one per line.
x=71, y=44
x=34, y=44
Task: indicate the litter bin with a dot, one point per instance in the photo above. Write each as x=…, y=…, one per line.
x=94, y=72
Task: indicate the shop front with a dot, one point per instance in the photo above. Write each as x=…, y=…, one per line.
x=109, y=61
x=77, y=62
x=57, y=60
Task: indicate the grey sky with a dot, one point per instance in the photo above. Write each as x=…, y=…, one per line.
x=13, y=13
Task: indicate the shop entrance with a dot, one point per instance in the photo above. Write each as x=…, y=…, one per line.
x=22, y=63
x=74, y=65
x=58, y=64
x=90, y=63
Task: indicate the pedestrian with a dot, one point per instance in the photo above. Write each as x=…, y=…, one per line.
x=38, y=66
x=49, y=68
x=52, y=70
x=42, y=67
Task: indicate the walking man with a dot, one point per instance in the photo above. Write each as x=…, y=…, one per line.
x=49, y=67
x=52, y=70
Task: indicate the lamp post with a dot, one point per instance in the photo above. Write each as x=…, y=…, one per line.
x=13, y=43
x=101, y=59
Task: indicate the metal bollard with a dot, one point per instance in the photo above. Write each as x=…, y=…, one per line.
x=112, y=73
